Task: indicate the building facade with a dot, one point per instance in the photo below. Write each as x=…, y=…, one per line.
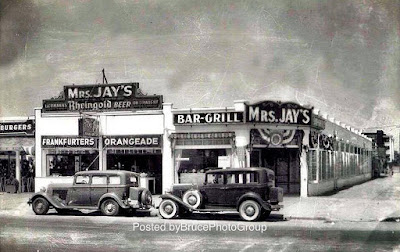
x=310, y=154
x=17, y=138
x=99, y=127
x=115, y=126
x=383, y=151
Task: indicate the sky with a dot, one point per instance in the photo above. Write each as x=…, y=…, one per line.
x=342, y=57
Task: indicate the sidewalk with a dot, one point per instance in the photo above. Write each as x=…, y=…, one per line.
x=336, y=209
x=374, y=200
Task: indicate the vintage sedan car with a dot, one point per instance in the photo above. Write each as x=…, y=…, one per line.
x=249, y=191
x=110, y=191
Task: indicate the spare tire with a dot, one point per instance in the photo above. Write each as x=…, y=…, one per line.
x=193, y=198
x=146, y=198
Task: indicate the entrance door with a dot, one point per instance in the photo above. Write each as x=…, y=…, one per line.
x=80, y=192
x=286, y=165
x=98, y=188
x=213, y=190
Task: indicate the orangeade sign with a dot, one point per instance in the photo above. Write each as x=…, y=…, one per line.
x=278, y=113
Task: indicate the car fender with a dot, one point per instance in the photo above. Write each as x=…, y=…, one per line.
x=52, y=202
x=177, y=200
x=256, y=197
x=114, y=197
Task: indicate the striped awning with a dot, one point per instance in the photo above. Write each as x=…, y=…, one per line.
x=15, y=143
x=211, y=135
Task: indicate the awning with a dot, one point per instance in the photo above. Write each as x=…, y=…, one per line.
x=212, y=135
x=16, y=143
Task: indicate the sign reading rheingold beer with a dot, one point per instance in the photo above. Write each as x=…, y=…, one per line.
x=278, y=113
x=136, y=141
x=69, y=142
x=17, y=128
x=208, y=118
x=100, y=97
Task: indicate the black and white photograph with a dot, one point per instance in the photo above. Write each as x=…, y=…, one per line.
x=199, y=125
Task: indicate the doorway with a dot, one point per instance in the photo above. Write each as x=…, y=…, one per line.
x=284, y=162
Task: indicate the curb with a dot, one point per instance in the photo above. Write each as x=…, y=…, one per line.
x=309, y=218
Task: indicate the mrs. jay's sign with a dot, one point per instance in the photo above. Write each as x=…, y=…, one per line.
x=278, y=113
x=123, y=96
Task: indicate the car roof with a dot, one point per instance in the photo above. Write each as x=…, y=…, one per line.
x=247, y=169
x=115, y=172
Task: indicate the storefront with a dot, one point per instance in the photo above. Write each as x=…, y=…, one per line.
x=140, y=153
x=114, y=126
x=268, y=134
x=17, y=154
x=100, y=127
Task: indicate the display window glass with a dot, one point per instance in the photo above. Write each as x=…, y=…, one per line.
x=69, y=164
x=190, y=164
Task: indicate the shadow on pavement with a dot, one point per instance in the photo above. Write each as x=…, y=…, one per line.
x=194, y=216
x=230, y=216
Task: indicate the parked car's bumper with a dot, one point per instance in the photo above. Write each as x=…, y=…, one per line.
x=276, y=207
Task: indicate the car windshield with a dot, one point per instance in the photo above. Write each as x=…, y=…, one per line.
x=133, y=180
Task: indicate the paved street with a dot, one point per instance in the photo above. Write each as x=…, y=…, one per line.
x=350, y=220
x=57, y=233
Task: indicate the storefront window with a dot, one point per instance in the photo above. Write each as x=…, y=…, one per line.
x=312, y=165
x=190, y=164
x=194, y=161
x=69, y=164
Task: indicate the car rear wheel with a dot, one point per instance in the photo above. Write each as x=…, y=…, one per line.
x=250, y=210
x=192, y=198
x=168, y=209
x=40, y=206
x=109, y=207
x=146, y=198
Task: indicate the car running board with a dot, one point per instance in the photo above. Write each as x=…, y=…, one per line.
x=215, y=210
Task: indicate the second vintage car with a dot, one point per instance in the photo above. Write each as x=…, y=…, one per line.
x=110, y=191
x=249, y=191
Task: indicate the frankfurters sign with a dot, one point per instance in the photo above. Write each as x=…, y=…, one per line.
x=278, y=113
x=208, y=118
x=102, y=97
x=69, y=141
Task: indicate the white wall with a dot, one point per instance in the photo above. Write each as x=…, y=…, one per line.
x=133, y=124
x=49, y=125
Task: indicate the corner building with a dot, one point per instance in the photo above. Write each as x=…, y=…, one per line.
x=115, y=126
x=310, y=153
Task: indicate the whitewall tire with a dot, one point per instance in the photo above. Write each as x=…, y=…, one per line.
x=192, y=198
x=168, y=209
x=250, y=210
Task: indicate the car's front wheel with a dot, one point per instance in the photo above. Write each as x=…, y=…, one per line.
x=109, y=207
x=168, y=209
x=250, y=210
x=40, y=206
